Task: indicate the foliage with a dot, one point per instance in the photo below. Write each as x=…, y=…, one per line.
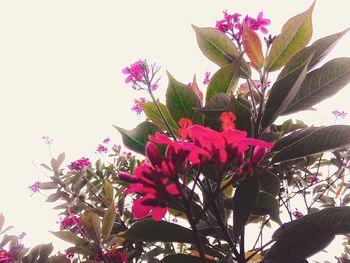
x=211, y=167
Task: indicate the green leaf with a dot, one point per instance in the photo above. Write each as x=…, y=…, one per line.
x=267, y=205
x=69, y=237
x=137, y=138
x=181, y=102
x=241, y=108
x=108, y=221
x=218, y=48
x=108, y=191
x=270, y=183
x=295, y=35
x=252, y=46
x=288, y=140
x=91, y=223
x=244, y=200
x=215, y=106
x=282, y=93
x=320, y=84
x=320, y=227
x=225, y=80
x=153, y=115
x=183, y=258
x=321, y=140
x=149, y=231
x=320, y=48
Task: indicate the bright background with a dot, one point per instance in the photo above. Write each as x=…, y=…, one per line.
x=60, y=76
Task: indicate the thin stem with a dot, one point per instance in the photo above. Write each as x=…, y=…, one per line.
x=258, y=250
x=160, y=111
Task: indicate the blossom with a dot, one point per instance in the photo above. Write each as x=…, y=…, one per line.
x=136, y=107
x=134, y=72
x=184, y=124
x=116, y=256
x=106, y=140
x=5, y=256
x=227, y=120
x=35, y=187
x=341, y=114
x=206, y=78
x=228, y=22
x=313, y=180
x=79, y=164
x=297, y=214
x=258, y=24
x=22, y=235
x=101, y=149
x=69, y=222
x=47, y=139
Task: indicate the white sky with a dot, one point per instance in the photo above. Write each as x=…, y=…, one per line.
x=60, y=75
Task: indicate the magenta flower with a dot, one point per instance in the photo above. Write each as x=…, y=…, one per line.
x=68, y=222
x=341, y=114
x=34, y=188
x=313, y=180
x=136, y=107
x=258, y=24
x=206, y=78
x=5, y=256
x=297, y=214
x=106, y=140
x=134, y=72
x=101, y=149
x=79, y=164
x=114, y=255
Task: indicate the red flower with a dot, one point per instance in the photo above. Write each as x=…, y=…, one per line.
x=184, y=124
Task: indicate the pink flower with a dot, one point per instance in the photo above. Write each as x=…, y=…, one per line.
x=106, y=140
x=101, y=149
x=183, y=130
x=258, y=23
x=116, y=256
x=68, y=222
x=134, y=72
x=341, y=114
x=136, y=107
x=35, y=187
x=6, y=257
x=79, y=164
x=313, y=180
x=227, y=120
x=206, y=78
x=22, y=235
x=228, y=22
x=297, y=214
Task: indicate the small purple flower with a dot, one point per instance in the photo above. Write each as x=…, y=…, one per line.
x=101, y=149
x=106, y=141
x=340, y=114
x=22, y=235
x=258, y=23
x=134, y=72
x=35, y=187
x=136, y=107
x=206, y=78
x=79, y=164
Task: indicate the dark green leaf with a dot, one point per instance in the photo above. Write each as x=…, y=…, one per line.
x=108, y=221
x=267, y=205
x=148, y=230
x=320, y=84
x=137, y=138
x=241, y=108
x=295, y=35
x=217, y=105
x=244, y=200
x=321, y=140
x=320, y=48
x=218, y=48
x=225, y=81
x=270, y=183
x=183, y=258
x=288, y=140
x=153, y=115
x=69, y=237
x=282, y=93
x=181, y=102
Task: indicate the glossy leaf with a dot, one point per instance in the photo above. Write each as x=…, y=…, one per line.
x=293, y=137
x=244, y=200
x=270, y=183
x=153, y=115
x=108, y=221
x=137, y=138
x=149, y=231
x=225, y=80
x=91, y=223
x=320, y=84
x=252, y=46
x=181, y=102
x=69, y=237
x=321, y=140
x=320, y=48
x=320, y=227
x=242, y=110
x=295, y=35
x=282, y=94
x=183, y=258
x=218, y=104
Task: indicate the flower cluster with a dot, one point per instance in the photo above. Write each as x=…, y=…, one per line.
x=79, y=164
x=233, y=24
x=136, y=107
x=158, y=179
x=114, y=255
x=340, y=114
x=141, y=75
x=68, y=222
x=35, y=187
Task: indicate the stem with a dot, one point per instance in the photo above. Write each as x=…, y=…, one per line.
x=160, y=111
x=258, y=250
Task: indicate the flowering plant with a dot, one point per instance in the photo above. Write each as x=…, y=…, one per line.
x=213, y=165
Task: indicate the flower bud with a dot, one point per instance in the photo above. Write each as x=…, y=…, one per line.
x=126, y=177
x=153, y=154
